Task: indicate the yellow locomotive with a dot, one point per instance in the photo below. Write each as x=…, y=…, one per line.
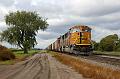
x=77, y=40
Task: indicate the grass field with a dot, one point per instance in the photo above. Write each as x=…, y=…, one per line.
x=19, y=56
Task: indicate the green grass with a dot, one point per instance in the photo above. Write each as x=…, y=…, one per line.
x=7, y=62
x=107, y=53
x=20, y=54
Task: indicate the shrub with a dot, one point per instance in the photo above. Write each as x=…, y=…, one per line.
x=6, y=54
x=118, y=49
x=2, y=47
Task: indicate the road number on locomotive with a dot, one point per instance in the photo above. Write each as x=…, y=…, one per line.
x=77, y=40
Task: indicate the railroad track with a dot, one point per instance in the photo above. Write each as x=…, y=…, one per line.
x=112, y=60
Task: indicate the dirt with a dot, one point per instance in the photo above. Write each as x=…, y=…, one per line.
x=39, y=66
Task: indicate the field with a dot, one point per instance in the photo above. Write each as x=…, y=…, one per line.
x=20, y=56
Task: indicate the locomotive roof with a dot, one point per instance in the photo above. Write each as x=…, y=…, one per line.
x=81, y=27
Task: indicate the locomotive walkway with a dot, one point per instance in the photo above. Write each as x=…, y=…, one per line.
x=39, y=66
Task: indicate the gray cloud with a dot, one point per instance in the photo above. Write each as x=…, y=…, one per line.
x=7, y=2
x=48, y=36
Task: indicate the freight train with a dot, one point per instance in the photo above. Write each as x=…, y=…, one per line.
x=77, y=41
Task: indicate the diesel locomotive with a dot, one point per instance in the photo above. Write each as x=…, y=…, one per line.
x=77, y=41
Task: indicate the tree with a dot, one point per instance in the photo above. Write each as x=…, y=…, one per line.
x=23, y=28
x=109, y=43
x=118, y=45
x=95, y=45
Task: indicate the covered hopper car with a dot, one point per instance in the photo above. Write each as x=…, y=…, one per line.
x=77, y=40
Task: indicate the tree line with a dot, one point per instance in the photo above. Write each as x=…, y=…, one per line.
x=108, y=43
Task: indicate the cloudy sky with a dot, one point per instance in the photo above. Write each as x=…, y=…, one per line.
x=103, y=16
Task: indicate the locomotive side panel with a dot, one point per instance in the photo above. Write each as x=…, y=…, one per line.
x=74, y=38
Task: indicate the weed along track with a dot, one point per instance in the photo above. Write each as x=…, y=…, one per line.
x=39, y=66
x=89, y=69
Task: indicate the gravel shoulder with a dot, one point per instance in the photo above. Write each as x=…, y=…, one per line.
x=39, y=66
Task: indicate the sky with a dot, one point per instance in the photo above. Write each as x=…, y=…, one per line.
x=103, y=16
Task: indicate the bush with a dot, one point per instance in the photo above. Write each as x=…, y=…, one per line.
x=118, y=49
x=6, y=54
x=2, y=47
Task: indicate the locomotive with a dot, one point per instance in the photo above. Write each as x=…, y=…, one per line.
x=77, y=41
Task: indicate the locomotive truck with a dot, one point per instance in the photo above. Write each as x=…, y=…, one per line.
x=77, y=41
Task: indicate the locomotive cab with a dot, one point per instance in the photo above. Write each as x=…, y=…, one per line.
x=80, y=40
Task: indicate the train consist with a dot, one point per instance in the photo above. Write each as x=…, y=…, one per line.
x=77, y=40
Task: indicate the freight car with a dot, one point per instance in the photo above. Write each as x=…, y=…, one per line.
x=77, y=40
